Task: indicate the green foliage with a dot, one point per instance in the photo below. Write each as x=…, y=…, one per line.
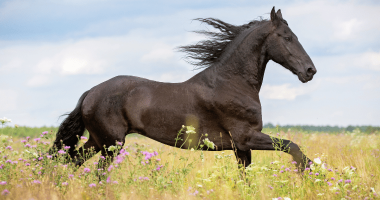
x=24, y=131
x=329, y=129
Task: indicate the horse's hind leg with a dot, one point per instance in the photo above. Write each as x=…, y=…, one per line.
x=243, y=157
x=89, y=149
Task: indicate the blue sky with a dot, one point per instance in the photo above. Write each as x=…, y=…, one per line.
x=53, y=51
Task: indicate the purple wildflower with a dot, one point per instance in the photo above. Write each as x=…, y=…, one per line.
x=3, y=182
x=61, y=151
x=294, y=162
x=67, y=147
x=44, y=133
x=86, y=170
x=311, y=173
x=347, y=181
x=23, y=141
x=27, y=145
x=108, y=179
x=71, y=175
x=92, y=185
x=49, y=156
x=330, y=184
x=5, y=192
x=65, y=183
x=9, y=147
x=341, y=180
x=27, y=138
x=40, y=158
x=36, y=182
x=317, y=174
x=332, y=178
x=281, y=171
x=119, y=143
x=37, y=139
x=83, y=138
x=115, y=182
x=275, y=175
x=27, y=164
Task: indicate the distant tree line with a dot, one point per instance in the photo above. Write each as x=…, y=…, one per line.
x=350, y=128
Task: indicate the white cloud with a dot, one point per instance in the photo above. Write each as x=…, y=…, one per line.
x=8, y=100
x=282, y=92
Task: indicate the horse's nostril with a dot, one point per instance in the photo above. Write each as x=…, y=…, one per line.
x=310, y=71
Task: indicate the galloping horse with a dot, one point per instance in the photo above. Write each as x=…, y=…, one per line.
x=222, y=100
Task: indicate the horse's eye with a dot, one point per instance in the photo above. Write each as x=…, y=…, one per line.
x=287, y=38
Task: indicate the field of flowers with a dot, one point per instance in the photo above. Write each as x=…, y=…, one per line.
x=346, y=166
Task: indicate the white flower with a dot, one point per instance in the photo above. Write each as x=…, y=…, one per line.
x=320, y=194
x=317, y=180
x=287, y=198
x=112, y=148
x=317, y=161
x=5, y=120
x=190, y=130
x=208, y=143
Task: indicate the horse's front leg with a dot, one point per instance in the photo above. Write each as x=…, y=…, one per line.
x=259, y=141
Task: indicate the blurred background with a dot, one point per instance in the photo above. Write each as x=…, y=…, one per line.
x=53, y=51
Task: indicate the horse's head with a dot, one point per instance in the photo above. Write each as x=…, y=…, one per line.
x=284, y=48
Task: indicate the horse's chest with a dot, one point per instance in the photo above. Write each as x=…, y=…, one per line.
x=247, y=109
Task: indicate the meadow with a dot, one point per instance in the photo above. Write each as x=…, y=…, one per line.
x=346, y=166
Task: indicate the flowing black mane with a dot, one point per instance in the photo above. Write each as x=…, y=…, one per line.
x=207, y=52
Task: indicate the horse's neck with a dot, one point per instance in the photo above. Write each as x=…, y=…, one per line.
x=244, y=64
x=248, y=62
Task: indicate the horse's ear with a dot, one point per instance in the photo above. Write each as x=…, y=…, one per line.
x=279, y=14
x=274, y=18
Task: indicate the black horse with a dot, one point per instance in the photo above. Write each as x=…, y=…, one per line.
x=222, y=100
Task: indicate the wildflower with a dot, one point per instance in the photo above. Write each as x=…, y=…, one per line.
x=83, y=138
x=341, y=180
x=115, y=182
x=27, y=164
x=275, y=175
x=287, y=169
x=142, y=162
x=37, y=139
x=61, y=151
x=27, y=138
x=294, y=162
x=8, y=161
x=45, y=132
x=330, y=184
x=92, y=185
x=5, y=192
x=190, y=130
x=296, y=170
x=347, y=181
x=65, y=183
x=287, y=198
x=23, y=141
x=28, y=145
x=86, y=170
x=40, y=158
x=109, y=179
x=95, y=163
x=110, y=168
x=119, y=143
x=311, y=173
x=36, y=182
x=49, y=156
x=317, y=161
x=317, y=174
x=3, y=182
x=67, y=147
x=102, y=157
x=332, y=178
x=112, y=148
x=281, y=171
x=9, y=147
x=208, y=143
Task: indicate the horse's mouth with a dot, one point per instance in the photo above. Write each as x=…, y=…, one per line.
x=302, y=78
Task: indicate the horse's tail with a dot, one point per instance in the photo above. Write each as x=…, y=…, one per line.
x=70, y=129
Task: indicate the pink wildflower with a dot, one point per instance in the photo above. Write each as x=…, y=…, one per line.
x=67, y=147
x=9, y=147
x=86, y=170
x=65, y=183
x=37, y=139
x=83, y=138
x=294, y=162
x=61, y=151
x=5, y=192
x=3, y=182
x=92, y=185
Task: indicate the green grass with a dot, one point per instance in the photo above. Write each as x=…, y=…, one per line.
x=352, y=157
